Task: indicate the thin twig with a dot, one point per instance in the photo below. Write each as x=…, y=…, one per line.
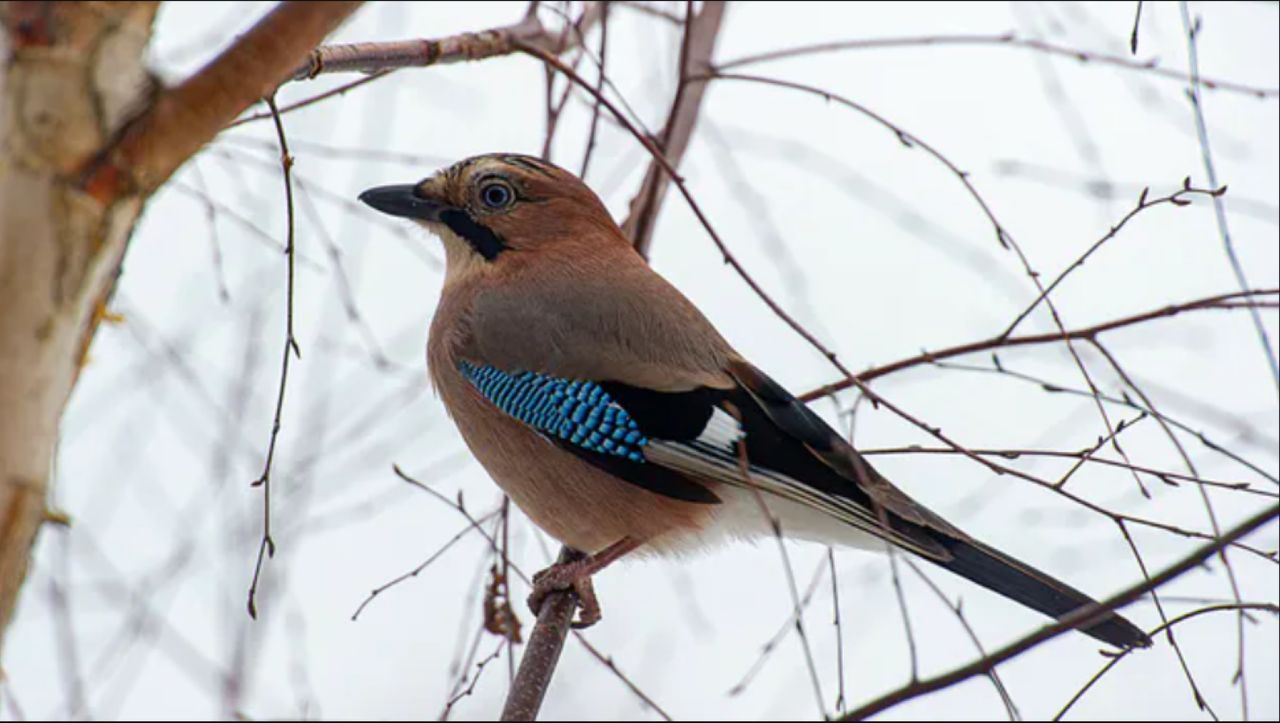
x=772, y=643
x=1177, y=198
x=374, y=593
x=775, y=526
x=1196, y=695
x=595, y=109
x=912, y=651
x=607, y=661
x=839, y=632
x=957, y=608
x=1220, y=301
x=1003, y=236
x=1002, y=40
x=1124, y=400
x=318, y=97
x=1133, y=37
x=1014, y=453
x=1220, y=213
x=267, y=546
x=1081, y=617
x=1239, y=608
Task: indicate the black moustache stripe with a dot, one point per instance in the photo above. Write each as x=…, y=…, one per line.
x=481, y=238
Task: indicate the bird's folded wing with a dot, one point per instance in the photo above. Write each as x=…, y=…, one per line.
x=682, y=444
x=755, y=435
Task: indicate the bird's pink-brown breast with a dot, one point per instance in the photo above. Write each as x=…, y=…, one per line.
x=573, y=501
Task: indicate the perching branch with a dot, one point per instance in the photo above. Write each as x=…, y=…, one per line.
x=541, y=655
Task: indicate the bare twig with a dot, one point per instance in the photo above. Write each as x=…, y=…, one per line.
x=607, y=661
x=1005, y=40
x=464, y=47
x=1081, y=617
x=839, y=631
x=957, y=608
x=458, y=536
x=267, y=546
x=600, y=79
x=1002, y=234
x=775, y=526
x=1162, y=475
x=772, y=643
x=475, y=678
x=1220, y=213
x=1238, y=608
x=1133, y=37
x=318, y=97
x=1177, y=198
x=1196, y=695
x=1221, y=301
x=1054, y=388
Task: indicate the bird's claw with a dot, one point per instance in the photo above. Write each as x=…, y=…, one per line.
x=568, y=576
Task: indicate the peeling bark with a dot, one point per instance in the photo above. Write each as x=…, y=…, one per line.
x=85, y=137
x=71, y=71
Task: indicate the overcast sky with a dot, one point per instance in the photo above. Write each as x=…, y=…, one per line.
x=138, y=609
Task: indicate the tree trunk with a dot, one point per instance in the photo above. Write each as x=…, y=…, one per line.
x=85, y=138
x=71, y=73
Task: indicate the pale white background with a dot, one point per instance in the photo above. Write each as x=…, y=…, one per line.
x=138, y=609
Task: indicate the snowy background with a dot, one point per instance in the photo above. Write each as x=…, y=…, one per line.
x=137, y=610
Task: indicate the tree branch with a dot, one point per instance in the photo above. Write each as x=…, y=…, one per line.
x=75, y=170
x=1081, y=617
x=182, y=119
x=1222, y=301
x=700, y=35
x=541, y=655
x=420, y=53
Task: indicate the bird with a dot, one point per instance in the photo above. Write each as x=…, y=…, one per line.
x=620, y=421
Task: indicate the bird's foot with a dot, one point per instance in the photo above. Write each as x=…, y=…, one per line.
x=575, y=576
x=574, y=573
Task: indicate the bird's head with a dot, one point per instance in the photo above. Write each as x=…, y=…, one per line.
x=488, y=209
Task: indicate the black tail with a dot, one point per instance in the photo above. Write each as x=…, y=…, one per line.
x=1021, y=583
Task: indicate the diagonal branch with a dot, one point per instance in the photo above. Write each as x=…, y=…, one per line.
x=76, y=166
x=182, y=119
x=1080, y=617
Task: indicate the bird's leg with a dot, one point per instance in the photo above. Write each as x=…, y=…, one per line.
x=576, y=576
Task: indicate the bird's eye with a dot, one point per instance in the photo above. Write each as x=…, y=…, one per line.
x=496, y=194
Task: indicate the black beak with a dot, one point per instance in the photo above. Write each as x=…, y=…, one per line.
x=403, y=200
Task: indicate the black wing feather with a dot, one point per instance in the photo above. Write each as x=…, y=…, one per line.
x=782, y=434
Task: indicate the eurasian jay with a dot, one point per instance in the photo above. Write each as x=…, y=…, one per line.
x=618, y=419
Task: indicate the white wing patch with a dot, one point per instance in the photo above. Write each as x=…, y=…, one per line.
x=714, y=455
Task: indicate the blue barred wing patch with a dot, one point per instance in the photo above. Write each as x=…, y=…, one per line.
x=579, y=412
